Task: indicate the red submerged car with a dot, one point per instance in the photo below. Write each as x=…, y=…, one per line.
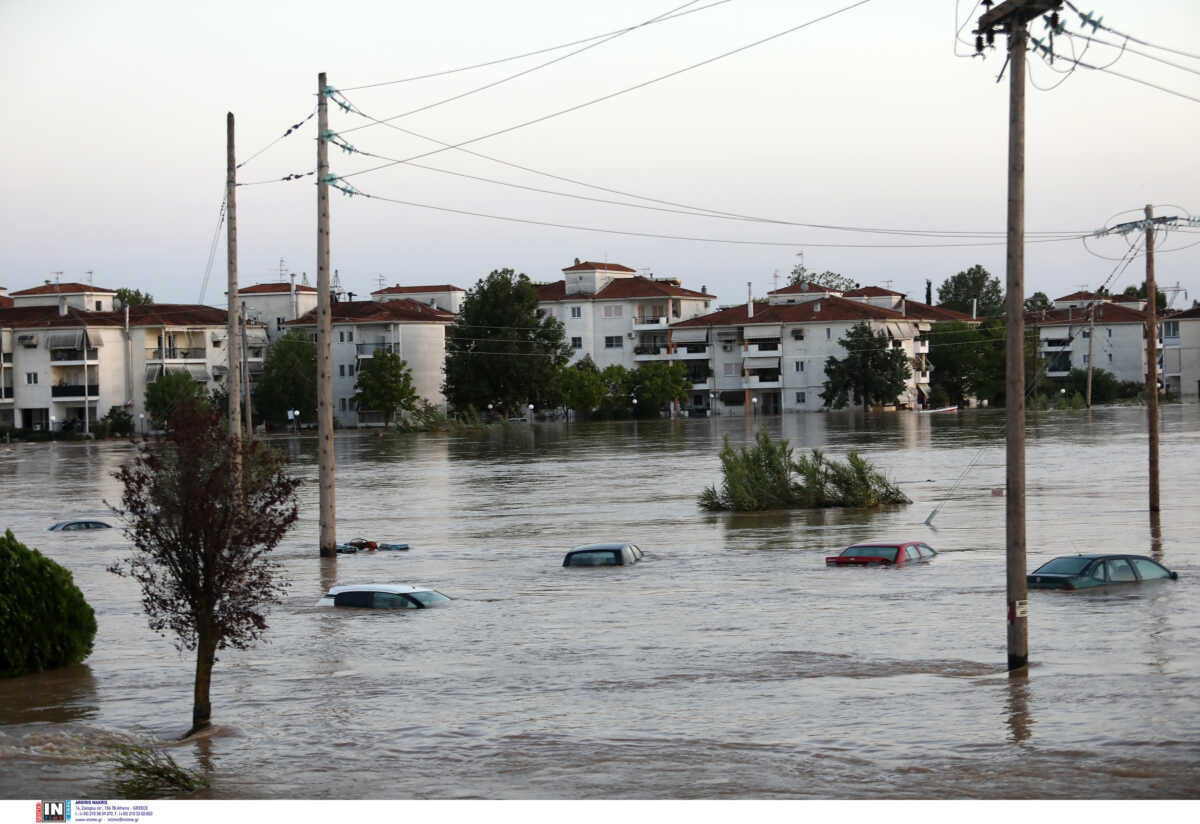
x=882, y=554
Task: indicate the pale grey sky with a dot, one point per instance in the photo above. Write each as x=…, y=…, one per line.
x=116, y=140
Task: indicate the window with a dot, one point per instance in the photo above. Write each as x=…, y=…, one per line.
x=1110, y=357
x=98, y=305
x=388, y=600
x=801, y=397
x=1171, y=329
x=911, y=554
x=341, y=370
x=31, y=378
x=1109, y=331
x=731, y=369
x=350, y=336
x=799, y=366
x=611, y=311
x=1119, y=570
x=278, y=323
x=1149, y=570
x=1087, y=333
x=351, y=372
x=1085, y=360
x=576, y=312
x=576, y=343
x=828, y=333
x=341, y=337
x=613, y=342
x=797, y=334
x=343, y=404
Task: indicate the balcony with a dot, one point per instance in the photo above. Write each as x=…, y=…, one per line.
x=763, y=348
x=763, y=382
x=920, y=347
x=706, y=385
x=368, y=350
x=1055, y=344
x=64, y=356
x=6, y=393
x=177, y=353
x=71, y=390
x=649, y=353
x=691, y=352
x=921, y=377
x=7, y=357
x=650, y=324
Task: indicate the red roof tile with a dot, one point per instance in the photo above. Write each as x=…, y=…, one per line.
x=936, y=313
x=1187, y=314
x=5, y=302
x=404, y=290
x=1080, y=296
x=1105, y=313
x=153, y=314
x=871, y=292
x=588, y=266
x=63, y=289
x=374, y=311
x=620, y=289
x=806, y=288
x=833, y=309
x=272, y=288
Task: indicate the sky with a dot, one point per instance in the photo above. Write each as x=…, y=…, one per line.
x=873, y=117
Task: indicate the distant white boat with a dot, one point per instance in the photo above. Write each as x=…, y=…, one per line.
x=942, y=409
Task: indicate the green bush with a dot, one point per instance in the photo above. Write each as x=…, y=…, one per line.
x=119, y=422
x=44, y=620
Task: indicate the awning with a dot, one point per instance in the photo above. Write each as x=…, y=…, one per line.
x=95, y=340
x=65, y=340
x=194, y=370
x=219, y=370
x=256, y=336
x=256, y=367
x=153, y=372
x=27, y=340
x=765, y=331
x=690, y=335
x=760, y=363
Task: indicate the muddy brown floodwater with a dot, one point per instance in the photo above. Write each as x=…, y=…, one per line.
x=731, y=663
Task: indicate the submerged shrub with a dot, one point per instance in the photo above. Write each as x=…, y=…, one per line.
x=144, y=771
x=44, y=620
x=764, y=476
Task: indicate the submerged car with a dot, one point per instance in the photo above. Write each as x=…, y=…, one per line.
x=882, y=554
x=383, y=596
x=1087, y=571
x=590, y=555
x=72, y=526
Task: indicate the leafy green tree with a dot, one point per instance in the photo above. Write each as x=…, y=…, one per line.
x=657, y=383
x=871, y=372
x=1105, y=386
x=131, y=297
x=972, y=284
x=832, y=280
x=288, y=380
x=202, y=542
x=1160, y=297
x=1037, y=302
x=118, y=421
x=44, y=620
x=618, y=396
x=385, y=384
x=165, y=394
x=579, y=386
x=500, y=350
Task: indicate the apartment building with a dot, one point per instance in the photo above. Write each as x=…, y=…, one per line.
x=1086, y=328
x=445, y=297
x=274, y=304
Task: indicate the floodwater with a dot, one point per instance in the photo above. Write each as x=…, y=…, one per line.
x=731, y=663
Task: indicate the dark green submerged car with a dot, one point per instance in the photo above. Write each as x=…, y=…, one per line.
x=1087, y=571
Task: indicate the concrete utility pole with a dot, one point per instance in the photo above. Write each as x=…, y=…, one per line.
x=1091, y=350
x=1151, y=359
x=1012, y=16
x=234, y=384
x=325, y=456
x=246, y=375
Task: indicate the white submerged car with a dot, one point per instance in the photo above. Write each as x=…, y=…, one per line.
x=383, y=596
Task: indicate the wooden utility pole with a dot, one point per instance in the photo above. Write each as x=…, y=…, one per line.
x=1012, y=16
x=246, y=375
x=1091, y=350
x=1151, y=359
x=325, y=455
x=233, y=349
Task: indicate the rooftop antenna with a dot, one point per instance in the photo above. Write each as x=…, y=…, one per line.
x=382, y=281
x=304, y=279
x=282, y=270
x=335, y=285
x=89, y=274
x=889, y=283
x=776, y=280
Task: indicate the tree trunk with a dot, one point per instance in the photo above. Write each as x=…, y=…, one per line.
x=206, y=653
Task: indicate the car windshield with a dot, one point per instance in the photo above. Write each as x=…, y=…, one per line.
x=595, y=557
x=428, y=597
x=1063, y=566
x=887, y=553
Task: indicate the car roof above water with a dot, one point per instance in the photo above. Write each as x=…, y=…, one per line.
x=395, y=589
x=611, y=545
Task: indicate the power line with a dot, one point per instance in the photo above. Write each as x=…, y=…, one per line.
x=531, y=53
x=493, y=84
x=291, y=130
x=212, y=251
x=1086, y=20
x=619, y=92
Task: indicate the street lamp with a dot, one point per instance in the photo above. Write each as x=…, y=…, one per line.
x=142, y=423
x=754, y=406
x=531, y=413
x=712, y=402
x=52, y=419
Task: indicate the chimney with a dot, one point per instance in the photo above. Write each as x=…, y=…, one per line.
x=928, y=291
x=62, y=304
x=974, y=307
x=903, y=311
x=749, y=302
x=704, y=290
x=292, y=297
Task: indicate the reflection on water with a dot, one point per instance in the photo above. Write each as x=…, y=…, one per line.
x=729, y=663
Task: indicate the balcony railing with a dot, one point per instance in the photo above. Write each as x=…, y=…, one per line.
x=74, y=390
x=760, y=347
x=648, y=353
x=368, y=350
x=650, y=323
x=6, y=392
x=763, y=382
x=8, y=357
x=177, y=353
x=921, y=347
x=72, y=355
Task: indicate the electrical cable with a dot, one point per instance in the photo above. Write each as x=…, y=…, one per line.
x=212, y=250
x=1087, y=21
x=290, y=131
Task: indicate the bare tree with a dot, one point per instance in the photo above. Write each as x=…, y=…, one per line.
x=202, y=545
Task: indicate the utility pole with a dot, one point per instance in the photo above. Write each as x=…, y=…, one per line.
x=233, y=344
x=1151, y=359
x=1012, y=16
x=1091, y=350
x=325, y=455
x=246, y=375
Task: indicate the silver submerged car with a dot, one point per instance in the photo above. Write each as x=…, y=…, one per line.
x=591, y=555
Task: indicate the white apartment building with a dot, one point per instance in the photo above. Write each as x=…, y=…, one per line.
x=447, y=298
x=414, y=331
x=274, y=304
x=1069, y=338
x=60, y=362
x=615, y=316
x=1180, y=358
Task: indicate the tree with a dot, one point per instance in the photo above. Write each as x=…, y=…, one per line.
x=202, y=544
x=167, y=392
x=131, y=297
x=871, y=372
x=1160, y=298
x=618, y=398
x=500, y=349
x=1038, y=302
x=385, y=384
x=289, y=379
x=657, y=383
x=828, y=279
x=973, y=284
x=579, y=386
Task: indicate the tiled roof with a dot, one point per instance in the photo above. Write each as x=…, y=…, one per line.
x=1105, y=313
x=1125, y=298
x=935, y=313
x=832, y=309
x=806, y=288
x=373, y=311
x=5, y=302
x=1187, y=314
x=1080, y=296
x=404, y=290
x=153, y=314
x=63, y=289
x=588, y=266
x=871, y=292
x=272, y=288
x=620, y=289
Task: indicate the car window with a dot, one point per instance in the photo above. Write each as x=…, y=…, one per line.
x=391, y=600
x=912, y=554
x=1099, y=571
x=429, y=597
x=887, y=553
x=352, y=599
x=1149, y=570
x=1120, y=571
x=926, y=551
x=1063, y=566
x=597, y=557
